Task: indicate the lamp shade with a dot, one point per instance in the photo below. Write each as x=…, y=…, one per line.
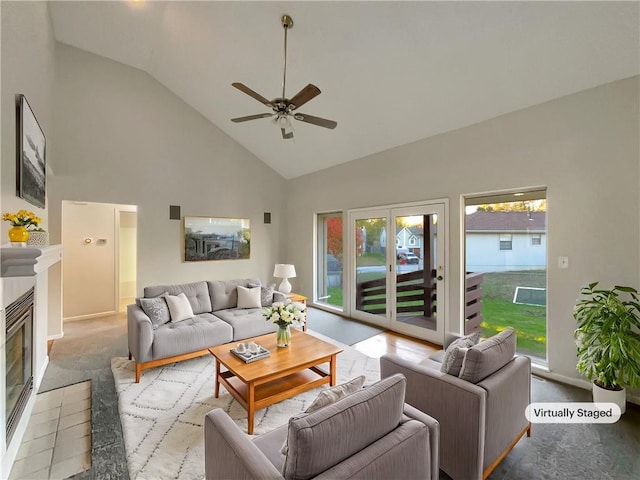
x=284, y=270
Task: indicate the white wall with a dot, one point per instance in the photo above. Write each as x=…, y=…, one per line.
x=121, y=137
x=90, y=267
x=28, y=50
x=483, y=253
x=584, y=148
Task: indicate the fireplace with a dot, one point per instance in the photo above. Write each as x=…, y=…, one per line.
x=19, y=359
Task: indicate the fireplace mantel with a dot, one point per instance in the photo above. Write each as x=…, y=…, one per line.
x=28, y=261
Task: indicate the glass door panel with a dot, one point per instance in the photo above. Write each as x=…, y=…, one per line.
x=419, y=271
x=370, y=274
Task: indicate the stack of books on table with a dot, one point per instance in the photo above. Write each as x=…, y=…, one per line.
x=248, y=357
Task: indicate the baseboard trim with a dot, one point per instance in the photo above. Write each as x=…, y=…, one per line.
x=88, y=316
x=576, y=382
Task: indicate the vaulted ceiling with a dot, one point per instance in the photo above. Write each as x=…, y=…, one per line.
x=390, y=72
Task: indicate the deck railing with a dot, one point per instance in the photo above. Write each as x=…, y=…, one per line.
x=416, y=294
x=473, y=303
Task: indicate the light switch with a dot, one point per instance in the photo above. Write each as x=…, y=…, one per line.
x=563, y=262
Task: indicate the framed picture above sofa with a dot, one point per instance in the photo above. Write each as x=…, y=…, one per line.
x=216, y=238
x=31, y=171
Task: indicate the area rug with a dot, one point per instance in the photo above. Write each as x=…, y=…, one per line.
x=163, y=415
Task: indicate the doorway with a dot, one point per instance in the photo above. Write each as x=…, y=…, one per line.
x=397, y=276
x=99, y=241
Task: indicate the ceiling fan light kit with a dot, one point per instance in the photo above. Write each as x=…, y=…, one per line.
x=283, y=107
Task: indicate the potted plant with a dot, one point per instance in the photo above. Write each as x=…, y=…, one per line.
x=608, y=341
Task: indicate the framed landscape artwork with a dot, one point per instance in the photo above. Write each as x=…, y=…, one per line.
x=31, y=160
x=215, y=238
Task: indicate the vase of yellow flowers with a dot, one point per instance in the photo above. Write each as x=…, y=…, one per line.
x=21, y=222
x=285, y=316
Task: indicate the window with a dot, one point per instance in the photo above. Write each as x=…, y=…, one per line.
x=506, y=241
x=329, y=259
x=507, y=286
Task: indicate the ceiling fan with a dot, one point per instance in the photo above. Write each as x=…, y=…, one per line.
x=284, y=108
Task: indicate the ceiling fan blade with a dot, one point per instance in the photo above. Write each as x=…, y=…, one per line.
x=243, y=88
x=321, y=122
x=303, y=96
x=251, y=117
x=285, y=135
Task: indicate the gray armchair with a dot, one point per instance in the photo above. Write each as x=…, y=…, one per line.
x=369, y=434
x=481, y=412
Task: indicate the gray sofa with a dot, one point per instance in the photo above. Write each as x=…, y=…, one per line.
x=481, y=411
x=370, y=434
x=216, y=320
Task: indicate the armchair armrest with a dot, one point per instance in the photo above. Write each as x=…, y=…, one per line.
x=140, y=333
x=434, y=436
x=458, y=406
x=229, y=453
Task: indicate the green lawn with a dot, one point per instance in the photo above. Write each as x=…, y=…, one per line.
x=528, y=320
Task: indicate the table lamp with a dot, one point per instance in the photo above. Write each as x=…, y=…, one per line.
x=284, y=271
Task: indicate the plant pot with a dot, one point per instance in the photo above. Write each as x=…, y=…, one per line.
x=619, y=397
x=18, y=235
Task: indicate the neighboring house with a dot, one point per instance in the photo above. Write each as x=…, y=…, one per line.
x=410, y=238
x=502, y=241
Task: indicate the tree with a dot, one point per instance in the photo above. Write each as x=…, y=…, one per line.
x=335, y=238
x=525, y=206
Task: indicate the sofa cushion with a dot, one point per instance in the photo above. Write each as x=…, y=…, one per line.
x=333, y=394
x=156, y=309
x=197, y=333
x=197, y=293
x=266, y=293
x=489, y=356
x=224, y=293
x=329, y=396
x=179, y=307
x=342, y=429
x=249, y=297
x=455, y=352
x=247, y=322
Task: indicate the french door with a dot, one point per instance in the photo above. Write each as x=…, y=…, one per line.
x=397, y=278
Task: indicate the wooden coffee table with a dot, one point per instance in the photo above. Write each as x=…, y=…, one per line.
x=287, y=372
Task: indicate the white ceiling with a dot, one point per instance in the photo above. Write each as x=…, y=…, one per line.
x=390, y=72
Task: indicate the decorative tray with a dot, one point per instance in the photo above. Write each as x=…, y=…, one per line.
x=248, y=357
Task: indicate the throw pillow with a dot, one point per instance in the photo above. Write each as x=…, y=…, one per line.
x=266, y=293
x=329, y=396
x=454, y=354
x=179, y=307
x=157, y=310
x=249, y=297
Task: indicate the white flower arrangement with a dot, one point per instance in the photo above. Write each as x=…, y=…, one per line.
x=286, y=314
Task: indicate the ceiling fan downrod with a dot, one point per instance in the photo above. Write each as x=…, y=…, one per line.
x=287, y=23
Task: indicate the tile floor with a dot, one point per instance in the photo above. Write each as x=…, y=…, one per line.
x=57, y=442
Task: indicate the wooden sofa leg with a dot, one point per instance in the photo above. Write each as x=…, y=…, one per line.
x=138, y=372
